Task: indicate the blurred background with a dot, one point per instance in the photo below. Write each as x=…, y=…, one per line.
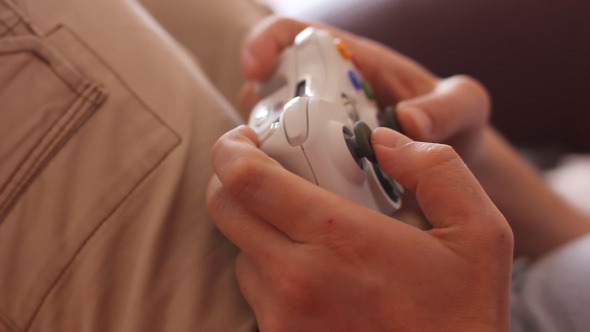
x=532, y=55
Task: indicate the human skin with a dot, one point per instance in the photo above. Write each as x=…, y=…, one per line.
x=453, y=111
x=312, y=261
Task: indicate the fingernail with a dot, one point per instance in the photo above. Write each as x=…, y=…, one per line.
x=421, y=119
x=388, y=138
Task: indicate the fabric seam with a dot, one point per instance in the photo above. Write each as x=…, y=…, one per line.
x=132, y=189
x=178, y=141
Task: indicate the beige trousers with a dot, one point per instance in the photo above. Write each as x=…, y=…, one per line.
x=105, y=131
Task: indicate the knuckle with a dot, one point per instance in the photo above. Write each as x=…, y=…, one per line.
x=501, y=233
x=437, y=154
x=466, y=81
x=477, y=89
x=441, y=162
x=220, y=148
x=290, y=277
x=246, y=177
x=494, y=235
x=430, y=161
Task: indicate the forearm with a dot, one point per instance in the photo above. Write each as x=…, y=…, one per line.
x=540, y=219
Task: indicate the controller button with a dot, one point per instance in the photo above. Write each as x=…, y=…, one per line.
x=295, y=121
x=342, y=49
x=355, y=80
x=368, y=90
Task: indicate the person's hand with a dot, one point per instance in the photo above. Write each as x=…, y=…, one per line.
x=312, y=261
x=454, y=111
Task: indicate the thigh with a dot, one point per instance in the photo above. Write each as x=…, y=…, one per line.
x=213, y=31
x=106, y=130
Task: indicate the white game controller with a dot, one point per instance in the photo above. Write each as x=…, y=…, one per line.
x=316, y=117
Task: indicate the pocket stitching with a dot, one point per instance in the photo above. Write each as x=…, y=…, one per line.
x=47, y=147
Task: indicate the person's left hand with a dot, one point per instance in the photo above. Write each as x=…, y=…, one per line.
x=313, y=261
x=453, y=110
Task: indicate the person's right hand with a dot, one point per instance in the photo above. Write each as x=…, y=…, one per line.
x=453, y=111
x=313, y=261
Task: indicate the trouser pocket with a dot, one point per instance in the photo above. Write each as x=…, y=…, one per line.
x=69, y=157
x=44, y=101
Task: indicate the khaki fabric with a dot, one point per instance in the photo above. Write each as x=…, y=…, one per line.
x=105, y=130
x=212, y=30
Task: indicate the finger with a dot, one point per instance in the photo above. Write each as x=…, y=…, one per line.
x=248, y=99
x=263, y=45
x=298, y=208
x=394, y=77
x=446, y=190
x=251, y=283
x=257, y=238
x=456, y=105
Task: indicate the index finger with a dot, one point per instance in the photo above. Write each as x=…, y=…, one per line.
x=394, y=76
x=265, y=42
x=295, y=206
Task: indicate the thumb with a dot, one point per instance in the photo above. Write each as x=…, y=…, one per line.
x=446, y=190
x=457, y=104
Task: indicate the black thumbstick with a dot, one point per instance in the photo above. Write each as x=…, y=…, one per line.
x=362, y=132
x=388, y=119
x=359, y=143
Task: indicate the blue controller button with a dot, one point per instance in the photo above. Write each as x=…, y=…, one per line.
x=356, y=81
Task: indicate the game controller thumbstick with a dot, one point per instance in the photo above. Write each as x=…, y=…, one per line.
x=359, y=143
x=388, y=119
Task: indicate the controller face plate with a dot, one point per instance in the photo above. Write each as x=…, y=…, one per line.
x=308, y=108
